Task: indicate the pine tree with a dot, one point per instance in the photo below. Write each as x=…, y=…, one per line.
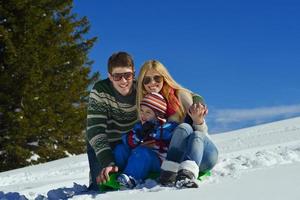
x=44, y=76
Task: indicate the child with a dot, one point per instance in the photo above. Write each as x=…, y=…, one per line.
x=147, y=142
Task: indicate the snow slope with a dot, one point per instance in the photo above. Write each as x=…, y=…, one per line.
x=260, y=162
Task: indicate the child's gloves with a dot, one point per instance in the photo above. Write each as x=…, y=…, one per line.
x=147, y=128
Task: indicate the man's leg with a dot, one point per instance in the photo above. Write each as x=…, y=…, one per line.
x=95, y=167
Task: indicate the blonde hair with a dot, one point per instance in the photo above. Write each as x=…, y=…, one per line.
x=169, y=83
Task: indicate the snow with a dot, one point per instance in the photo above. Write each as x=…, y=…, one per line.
x=34, y=157
x=260, y=162
x=18, y=110
x=36, y=143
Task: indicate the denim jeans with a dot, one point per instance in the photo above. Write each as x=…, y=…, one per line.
x=187, y=144
x=137, y=162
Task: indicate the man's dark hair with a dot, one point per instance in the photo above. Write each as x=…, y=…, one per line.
x=120, y=59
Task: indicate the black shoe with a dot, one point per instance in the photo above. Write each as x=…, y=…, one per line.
x=167, y=178
x=186, y=179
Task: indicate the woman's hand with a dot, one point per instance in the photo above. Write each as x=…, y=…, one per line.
x=104, y=174
x=197, y=112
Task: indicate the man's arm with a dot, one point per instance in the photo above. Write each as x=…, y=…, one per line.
x=97, y=116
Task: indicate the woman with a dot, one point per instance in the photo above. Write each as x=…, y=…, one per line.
x=154, y=77
x=190, y=150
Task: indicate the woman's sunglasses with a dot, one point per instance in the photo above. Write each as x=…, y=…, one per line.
x=118, y=76
x=148, y=79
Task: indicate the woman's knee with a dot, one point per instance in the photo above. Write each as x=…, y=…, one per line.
x=183, y=130
x=199, y=135
x=186, y=126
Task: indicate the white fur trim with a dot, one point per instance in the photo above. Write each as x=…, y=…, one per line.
x=190, y=166
x=170, y=166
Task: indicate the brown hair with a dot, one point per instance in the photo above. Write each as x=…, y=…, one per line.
x=120, y=59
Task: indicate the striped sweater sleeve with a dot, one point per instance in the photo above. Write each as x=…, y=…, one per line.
x=97, y=116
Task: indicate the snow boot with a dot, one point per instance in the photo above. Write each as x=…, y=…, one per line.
x=185, y=179
x=187, y=175
x=168, y=173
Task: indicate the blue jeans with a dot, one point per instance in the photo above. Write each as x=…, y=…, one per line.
x=137, y=162
x=187, y=144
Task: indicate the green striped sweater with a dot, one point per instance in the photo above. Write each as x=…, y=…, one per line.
x=109, y=115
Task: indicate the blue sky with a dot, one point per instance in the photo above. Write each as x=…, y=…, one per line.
x=243, y=57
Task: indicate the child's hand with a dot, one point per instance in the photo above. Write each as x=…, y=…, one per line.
x=147, y=128
x=197, y=111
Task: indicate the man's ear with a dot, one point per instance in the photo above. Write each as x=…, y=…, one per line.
x=110, y=77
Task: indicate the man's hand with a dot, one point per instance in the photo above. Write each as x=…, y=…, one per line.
x=104, y=174
x=197, y=111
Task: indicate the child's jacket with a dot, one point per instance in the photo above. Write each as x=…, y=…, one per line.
x=161, y=134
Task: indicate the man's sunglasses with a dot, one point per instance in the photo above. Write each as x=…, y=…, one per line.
x=148, y=79
x=118, y=76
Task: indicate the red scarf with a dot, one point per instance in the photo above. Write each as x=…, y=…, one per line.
x=172, y=108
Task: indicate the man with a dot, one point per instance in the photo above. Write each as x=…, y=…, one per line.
x=111, y=112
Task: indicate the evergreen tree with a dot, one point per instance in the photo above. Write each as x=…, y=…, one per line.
x=44, y=76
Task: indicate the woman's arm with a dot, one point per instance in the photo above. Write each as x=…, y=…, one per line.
x=186, y=99
x=197, y=112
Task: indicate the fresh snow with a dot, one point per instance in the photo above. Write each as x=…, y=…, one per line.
x=261, y=163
